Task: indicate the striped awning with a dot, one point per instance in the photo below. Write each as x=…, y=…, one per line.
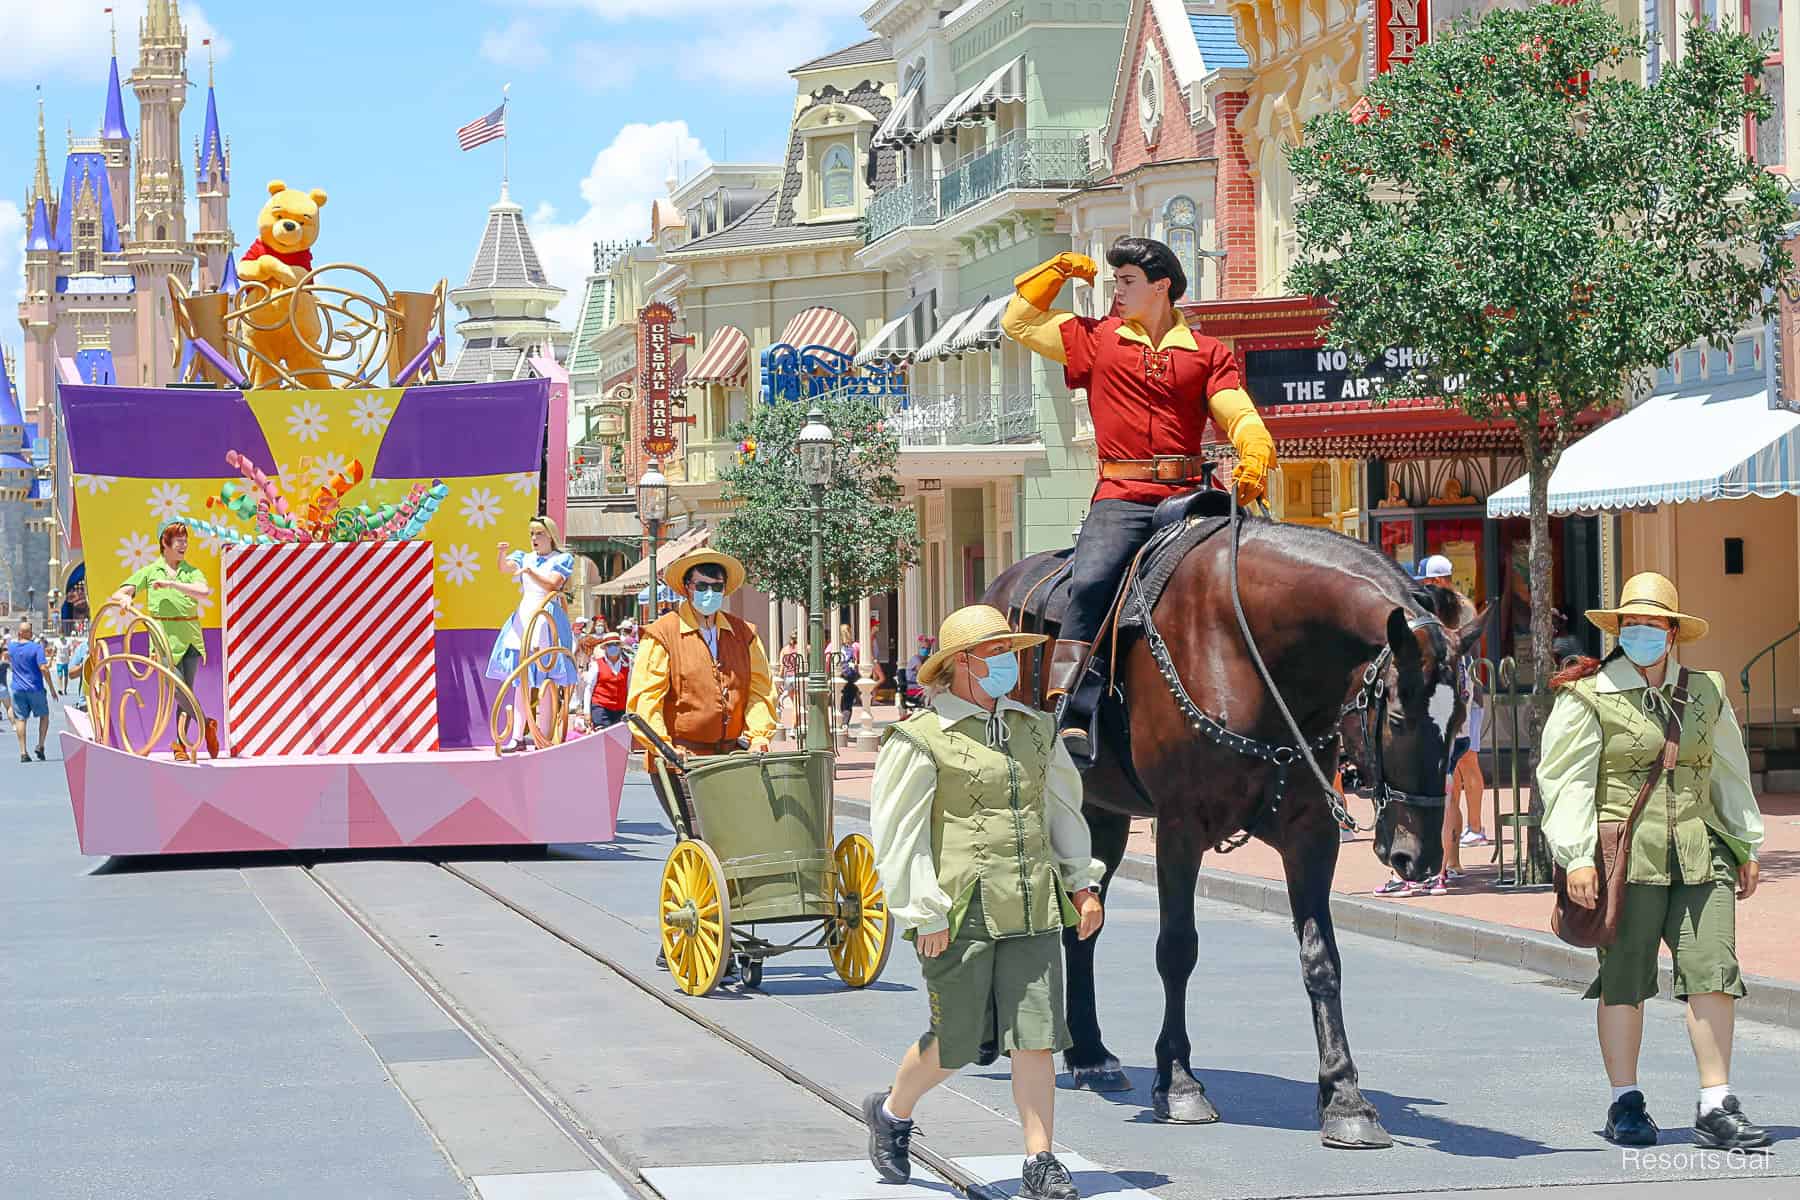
x=906, y=115
x=727, y=358
x=939, y=345
x=1005, y=85
x=820, y=327
x=981, y=331
x=1718, y=442
x=901, y=337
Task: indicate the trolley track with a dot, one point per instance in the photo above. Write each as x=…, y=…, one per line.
x=558, y=1110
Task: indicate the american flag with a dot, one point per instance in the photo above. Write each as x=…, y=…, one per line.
x=483, y=129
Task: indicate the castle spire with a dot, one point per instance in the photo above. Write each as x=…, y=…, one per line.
x=40, y=180
x=113, y=126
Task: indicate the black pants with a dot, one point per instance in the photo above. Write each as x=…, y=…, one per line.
x=1110, y=537
x=604, y=718
x=189, y=670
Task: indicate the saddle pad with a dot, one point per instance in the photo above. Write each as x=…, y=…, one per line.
x=1162, y=554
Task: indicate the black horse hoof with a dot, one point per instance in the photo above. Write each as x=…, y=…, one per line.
x=1184, y=1102
x=1104, y=1076
x=1355, y=1132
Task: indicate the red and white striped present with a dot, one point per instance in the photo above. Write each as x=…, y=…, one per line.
x=330, y=648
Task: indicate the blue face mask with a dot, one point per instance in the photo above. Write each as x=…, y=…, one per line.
x=1002, y=674
x=612, y=652
x=707, y=602
x=1644, y=644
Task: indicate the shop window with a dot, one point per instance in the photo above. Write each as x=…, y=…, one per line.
x=1768, y=139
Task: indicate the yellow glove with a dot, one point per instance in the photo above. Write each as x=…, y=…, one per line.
x=1040, y=284
x=1255, y=459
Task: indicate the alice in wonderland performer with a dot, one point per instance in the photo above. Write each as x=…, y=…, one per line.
x=543, y=572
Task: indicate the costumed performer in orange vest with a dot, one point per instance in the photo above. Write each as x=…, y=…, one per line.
x=1151, y=383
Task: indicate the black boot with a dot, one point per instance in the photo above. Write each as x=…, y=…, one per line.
x=1727, y=1128
x=1075, y=686
x=1628, y=1122
x=890, y=1140
x=1046, y=1179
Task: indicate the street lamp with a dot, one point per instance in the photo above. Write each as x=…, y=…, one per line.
x=653, y=510
x=814, y=446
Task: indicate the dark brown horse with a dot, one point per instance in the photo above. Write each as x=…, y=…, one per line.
x=1334, y=619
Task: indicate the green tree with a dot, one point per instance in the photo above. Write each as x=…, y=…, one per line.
x=1545, y=230
x=870, y=533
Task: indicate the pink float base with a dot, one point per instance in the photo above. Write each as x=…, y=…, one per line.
x=125, y=804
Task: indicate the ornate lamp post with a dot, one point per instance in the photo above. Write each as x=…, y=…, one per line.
x=653, y=510
x=814, y=446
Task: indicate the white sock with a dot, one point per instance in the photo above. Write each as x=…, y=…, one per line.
x=889, y=1113
x=1623, y=1088
x=1713, y=1097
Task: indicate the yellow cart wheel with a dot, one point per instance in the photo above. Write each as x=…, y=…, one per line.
x=696, y=917
x=863, y=932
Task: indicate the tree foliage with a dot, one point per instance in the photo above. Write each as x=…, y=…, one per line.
x=871, y=534
x=1545, y=230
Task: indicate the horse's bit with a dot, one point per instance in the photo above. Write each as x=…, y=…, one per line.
x=1370, y=709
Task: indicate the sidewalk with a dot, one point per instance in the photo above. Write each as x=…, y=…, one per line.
x=1767, y=945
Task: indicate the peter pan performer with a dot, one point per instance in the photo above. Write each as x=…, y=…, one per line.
x=1151, y=383
x=173, y=588
x=543, y=572
x=981, y=845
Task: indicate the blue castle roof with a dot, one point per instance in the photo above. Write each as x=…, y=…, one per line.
x=1216, y=34
x=85, y=168
x=229, y=283
x=9, y=404
x=113, y=126
x=40, y=237
x=95, y=366
x=212, y=146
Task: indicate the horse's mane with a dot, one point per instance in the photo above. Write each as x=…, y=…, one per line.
x=1352, y=556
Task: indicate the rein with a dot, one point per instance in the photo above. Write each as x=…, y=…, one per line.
x=1373, y=693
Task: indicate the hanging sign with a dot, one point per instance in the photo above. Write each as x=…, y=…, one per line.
x=1400, y=27
x=1319, y=375
x=656, y=377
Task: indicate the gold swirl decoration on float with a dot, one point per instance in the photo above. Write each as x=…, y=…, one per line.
x=500, y=718
x=113, y=678
x=352, y=330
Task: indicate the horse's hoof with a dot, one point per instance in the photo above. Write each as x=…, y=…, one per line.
x=1355, y=1132
x=1184, y=1104
x=1103, y=1077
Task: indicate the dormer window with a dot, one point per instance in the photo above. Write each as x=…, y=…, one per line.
x=837, y=178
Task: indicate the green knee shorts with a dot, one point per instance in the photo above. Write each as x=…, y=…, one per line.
x=1696, y=921
x=1008, y=991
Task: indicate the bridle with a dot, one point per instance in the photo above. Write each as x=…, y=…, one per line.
x=1370, y=707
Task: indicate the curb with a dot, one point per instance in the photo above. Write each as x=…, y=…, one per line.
x=1772, y=1001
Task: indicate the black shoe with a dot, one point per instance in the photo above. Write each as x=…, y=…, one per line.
x=24, y=758
x=890, y=1140
x=662, y=964
x=1628, y=1122
x=1727, y=1128
x=1046, y=1179
x=40, y=754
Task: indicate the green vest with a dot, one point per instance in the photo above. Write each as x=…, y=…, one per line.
x=1680, y=811
x=989, y=830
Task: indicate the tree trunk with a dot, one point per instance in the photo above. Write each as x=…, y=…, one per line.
x=1540, y=663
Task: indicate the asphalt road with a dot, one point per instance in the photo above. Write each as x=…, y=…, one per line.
x=220, y=1029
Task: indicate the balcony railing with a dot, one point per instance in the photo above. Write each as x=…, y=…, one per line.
x=955, y=419
x=1052, y=158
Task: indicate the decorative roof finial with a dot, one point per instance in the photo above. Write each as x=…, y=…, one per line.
x=113, y=20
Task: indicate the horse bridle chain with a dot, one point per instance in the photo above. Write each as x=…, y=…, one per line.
x=1372, y=694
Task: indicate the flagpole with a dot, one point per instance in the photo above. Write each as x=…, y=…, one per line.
x=505, y=142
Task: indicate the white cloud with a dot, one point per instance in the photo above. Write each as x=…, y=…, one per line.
x=619, y=188
x=12, y=249
x=517, y=45
x=74, y=39
x=760, y=53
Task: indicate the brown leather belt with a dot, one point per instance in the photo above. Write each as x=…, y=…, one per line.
x=1164, y=468
x=731, y=747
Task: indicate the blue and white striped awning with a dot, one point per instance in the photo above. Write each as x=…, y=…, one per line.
x=1722, y=442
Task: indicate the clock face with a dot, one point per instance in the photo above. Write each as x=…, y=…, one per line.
x=1181, y=211
x=1147, y=98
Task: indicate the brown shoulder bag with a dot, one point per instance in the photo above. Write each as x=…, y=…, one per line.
x=1598, y=926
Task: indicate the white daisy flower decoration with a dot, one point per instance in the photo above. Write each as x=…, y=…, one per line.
x=481, y=508
x=459, y=564
x=523, y=482
x=95, y=485
x=136, y=550
x=168, y=501
x=306, y=422
x=324, y=467
x=369, y=415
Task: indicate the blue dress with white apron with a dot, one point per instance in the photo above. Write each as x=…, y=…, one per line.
x=505, y=658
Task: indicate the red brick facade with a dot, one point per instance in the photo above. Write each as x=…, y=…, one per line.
x=1236, y=211
x=1175, y=137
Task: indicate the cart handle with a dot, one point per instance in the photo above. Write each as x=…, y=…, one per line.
x=669, y=753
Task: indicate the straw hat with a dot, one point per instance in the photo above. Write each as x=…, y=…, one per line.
x=734, y=570
x=1648, y=594
x=967, y=628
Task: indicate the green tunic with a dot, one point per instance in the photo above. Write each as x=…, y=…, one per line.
x=177, y=612
x=989, y=833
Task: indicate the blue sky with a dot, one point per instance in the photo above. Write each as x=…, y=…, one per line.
x=363, y=100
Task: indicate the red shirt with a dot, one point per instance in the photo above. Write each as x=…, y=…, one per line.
x=1144, y=401
x=610, y=683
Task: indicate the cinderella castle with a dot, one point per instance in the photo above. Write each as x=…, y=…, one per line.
x=99, y=248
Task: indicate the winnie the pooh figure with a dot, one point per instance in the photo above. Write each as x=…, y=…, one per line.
x=287, y=330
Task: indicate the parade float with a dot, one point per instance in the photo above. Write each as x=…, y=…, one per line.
x=345, y=506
